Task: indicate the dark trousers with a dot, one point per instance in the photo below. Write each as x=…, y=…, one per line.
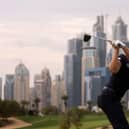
x=113, y=109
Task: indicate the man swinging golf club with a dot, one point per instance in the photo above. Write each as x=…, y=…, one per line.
x=109, y=100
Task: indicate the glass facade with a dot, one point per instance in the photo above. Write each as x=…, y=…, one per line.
x=72, y=72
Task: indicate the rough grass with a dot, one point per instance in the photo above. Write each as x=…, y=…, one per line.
x=89, y=121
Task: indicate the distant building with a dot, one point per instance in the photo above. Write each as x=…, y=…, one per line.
x=38, y=84
x=57, y=91
x=89, y=60
x=9, y=87
x=0, y=88
x=72, y=72
x=45, y=75
x=21, y=83
x=93, y=58
x=101, y=45
x=42, y=83
x=32, y=98
x=119, y=30
x=96, y=79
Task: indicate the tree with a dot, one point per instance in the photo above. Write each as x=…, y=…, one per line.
x=89, y=103
x=72, y=117
x=8, y=109
x=65, y=98
x=75, y=117
x=24, y=106
x=65, y=122
x=37, y=101
x=50, y=110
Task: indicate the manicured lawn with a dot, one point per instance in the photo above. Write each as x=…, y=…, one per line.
x=89, y=121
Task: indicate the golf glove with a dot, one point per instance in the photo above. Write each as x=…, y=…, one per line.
x=118, y=43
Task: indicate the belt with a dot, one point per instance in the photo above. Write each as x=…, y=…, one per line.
x=108, y=89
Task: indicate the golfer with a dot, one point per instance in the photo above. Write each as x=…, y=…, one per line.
x=109, y=100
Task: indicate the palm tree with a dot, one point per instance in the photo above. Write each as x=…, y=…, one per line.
x=65, y=98
x=24, y=105
x=89, y=105
x=36, y=101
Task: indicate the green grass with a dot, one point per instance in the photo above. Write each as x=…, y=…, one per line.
x=48, y=122
x=89, y=121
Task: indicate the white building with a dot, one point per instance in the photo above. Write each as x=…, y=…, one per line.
x=21, y=83
x=57, y=91
x=42, y=83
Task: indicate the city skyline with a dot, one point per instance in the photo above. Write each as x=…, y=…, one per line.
x=30, y=30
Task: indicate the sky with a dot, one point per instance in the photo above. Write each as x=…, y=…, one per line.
x=36, y=32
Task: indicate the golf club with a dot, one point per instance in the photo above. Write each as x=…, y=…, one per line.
x=87, y=38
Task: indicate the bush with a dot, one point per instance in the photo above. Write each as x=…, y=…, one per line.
x=8, y=108
x=72, y=117
x=50, y=110
x=65, y=122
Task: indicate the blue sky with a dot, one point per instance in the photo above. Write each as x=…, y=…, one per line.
x=36, y=31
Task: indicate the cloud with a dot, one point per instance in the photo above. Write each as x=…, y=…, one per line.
x=37, y=31
x=37, y=43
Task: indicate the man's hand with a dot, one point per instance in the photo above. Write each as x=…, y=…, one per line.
x=118, y=43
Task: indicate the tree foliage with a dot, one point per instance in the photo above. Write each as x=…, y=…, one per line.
x=65, y=98
x=72, y=117
x=8, y=108
x=65, y=122
x=37, y=101
x=50, y=110
x=24, y=106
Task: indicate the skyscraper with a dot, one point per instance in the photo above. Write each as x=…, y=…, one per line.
x=39, y=93
x=0, y=88
x=92, y=58
x=9, y=87
x=119, y=30
x=32, y=98
x=21, y=83
x=72, y=72
x=96, y=79
x=89, y=60
x=42, y=84
x=46, y=77
x=101, y=46
x=57, y=91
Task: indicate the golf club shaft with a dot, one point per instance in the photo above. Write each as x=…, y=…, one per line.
x=102, y=39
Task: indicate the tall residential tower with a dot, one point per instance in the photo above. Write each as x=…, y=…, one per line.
x=21, y=83
x=9, y=87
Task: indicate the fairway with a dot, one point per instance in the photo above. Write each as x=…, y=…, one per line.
x=89, y=121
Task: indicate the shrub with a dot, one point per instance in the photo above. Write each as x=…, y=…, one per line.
x=50, y=110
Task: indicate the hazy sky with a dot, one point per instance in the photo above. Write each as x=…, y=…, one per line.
x=36, y=31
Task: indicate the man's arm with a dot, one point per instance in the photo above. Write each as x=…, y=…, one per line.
x=115, y=64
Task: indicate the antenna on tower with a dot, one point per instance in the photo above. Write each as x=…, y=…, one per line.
x=106, y=23
x=20, y=45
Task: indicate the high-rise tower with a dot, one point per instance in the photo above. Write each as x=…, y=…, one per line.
x=9, y=87
x=101, y=46
x=72, y=72
x=21, y=83
x=119, y=30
